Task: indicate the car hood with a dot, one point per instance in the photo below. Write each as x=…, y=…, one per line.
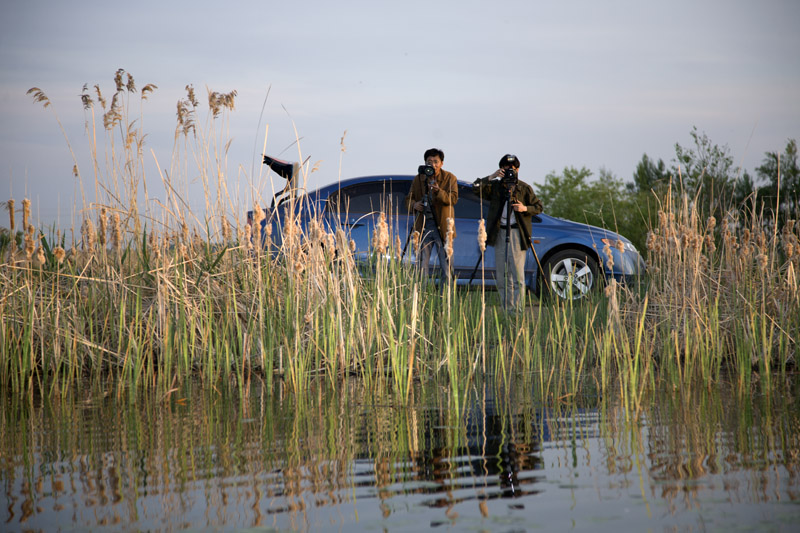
x=596, y=231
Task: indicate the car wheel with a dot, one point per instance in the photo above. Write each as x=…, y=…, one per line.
x=570, y=273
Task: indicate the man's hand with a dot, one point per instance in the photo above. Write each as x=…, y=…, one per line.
x=518, y=207
x=418, y=206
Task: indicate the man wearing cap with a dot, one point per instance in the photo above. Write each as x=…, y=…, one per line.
x=515, y=217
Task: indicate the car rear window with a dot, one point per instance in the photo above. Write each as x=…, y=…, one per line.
x=387, y=196
x=469, y=204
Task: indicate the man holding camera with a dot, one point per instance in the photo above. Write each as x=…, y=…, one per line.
x=433, y=195
x=512, y=204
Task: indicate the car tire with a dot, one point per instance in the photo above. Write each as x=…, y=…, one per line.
x=570, y=272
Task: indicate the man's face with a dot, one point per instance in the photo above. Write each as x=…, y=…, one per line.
x=435, y=162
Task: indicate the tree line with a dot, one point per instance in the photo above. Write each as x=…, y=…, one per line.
x=703, y=171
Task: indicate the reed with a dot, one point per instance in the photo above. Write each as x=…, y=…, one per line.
x=153, y=299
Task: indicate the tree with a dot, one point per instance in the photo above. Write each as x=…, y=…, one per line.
x=706, y=172
x=604, y=202
x=649, y=176
x=781, y=174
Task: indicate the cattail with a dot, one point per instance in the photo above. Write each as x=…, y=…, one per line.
x=651, y=240
x=397, y=246
x=415, y=241
x=709, y=243
x=762, y=261
x=103, y=230
x=315, y=232
x=290, y=231
x=197, y=242
x=662, y=219
x=352, y=246
x=26, y=213
x=620, y=246
x=607, y=252
x=30, y=245
x=258, y=215
x=226, y=230
x=59, y=254
x=152, y=243
x=39, y=259
x=761, y=241
x=87, y=235
x=11, y=215
x=341, y=243
x=116, y=228
x=382, y=235
x=482, y=235
x=448, y=245
x=246, y=237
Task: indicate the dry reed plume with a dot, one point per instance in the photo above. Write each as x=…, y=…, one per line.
x=241, y=299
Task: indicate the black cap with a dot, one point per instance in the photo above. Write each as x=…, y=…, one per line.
x=508, y=160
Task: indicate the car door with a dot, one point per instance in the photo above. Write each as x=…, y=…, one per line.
x=466, y=254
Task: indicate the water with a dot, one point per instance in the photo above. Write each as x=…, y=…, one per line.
x=199, y=459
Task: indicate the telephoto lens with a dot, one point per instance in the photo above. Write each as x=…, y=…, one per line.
x=510, y=177
x=426, y=170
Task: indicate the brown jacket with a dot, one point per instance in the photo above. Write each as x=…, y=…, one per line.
x=443, y=203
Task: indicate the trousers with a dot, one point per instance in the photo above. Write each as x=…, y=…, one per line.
x=510, y=277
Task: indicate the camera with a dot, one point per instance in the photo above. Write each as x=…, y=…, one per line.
x=510, y=177
x=426, y=170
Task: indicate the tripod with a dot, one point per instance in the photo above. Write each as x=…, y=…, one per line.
x=430, y=227
x=524, y=233
x=505, y=206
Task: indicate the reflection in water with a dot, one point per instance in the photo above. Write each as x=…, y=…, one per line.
x=341, y=459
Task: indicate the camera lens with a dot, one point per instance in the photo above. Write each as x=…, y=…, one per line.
x=426, y=170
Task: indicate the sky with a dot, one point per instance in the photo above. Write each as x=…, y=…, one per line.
x=365, y=87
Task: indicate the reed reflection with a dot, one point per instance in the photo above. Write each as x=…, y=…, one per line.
x=209, y=458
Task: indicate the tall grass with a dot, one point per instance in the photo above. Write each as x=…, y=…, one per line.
x=146, y=298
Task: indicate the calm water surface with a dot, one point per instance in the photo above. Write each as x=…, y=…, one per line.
x=344, y=459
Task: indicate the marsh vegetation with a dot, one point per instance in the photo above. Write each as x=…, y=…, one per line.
x=139, y=296
x=147, y=301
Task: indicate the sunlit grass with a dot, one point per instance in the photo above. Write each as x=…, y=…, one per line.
x=137, y=298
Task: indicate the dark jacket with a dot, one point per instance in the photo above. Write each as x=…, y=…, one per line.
x=495, y=191
x=443, y=203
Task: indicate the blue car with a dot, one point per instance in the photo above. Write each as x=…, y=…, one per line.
x=570, y=257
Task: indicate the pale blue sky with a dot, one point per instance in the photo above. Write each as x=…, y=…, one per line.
x=580, y=83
